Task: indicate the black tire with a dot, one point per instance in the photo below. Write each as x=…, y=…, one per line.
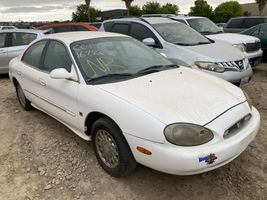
x=23, y=101
x=126, y=162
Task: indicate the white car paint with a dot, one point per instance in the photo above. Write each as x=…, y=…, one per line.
x=142, y=107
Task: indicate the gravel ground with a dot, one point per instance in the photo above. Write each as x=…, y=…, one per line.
x=42, y=159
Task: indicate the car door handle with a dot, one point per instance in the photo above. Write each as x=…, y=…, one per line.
x=2, y=51
x=42, y=82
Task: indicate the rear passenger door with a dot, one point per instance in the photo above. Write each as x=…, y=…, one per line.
x=18, y=41
x=3, y=53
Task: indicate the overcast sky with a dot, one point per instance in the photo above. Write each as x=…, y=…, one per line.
x=46, y=10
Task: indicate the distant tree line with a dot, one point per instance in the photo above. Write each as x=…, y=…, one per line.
x=222, y=12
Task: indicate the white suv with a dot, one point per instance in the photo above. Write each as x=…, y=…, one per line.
x=185, y=46
x=251, y=46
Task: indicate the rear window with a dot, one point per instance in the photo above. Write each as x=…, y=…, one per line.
x=235, y=23
x=121, y=28
x=59, y=29
x=252, y=22
x=80, y=28
x=108, y=26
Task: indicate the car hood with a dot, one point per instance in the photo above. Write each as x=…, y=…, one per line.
x=214, y=52
x=178, y=95
x=232, y=38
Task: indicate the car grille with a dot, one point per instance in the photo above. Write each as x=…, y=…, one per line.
x=234, y=129
x=239, y=65
x=250, y=47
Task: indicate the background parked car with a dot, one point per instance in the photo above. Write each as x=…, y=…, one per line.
x=7, y=27
x=13, y=42
x=96, y=24
x=67, y=27
x=238, y=24
x=259, y=31
x=250, y=46
x=185, y=46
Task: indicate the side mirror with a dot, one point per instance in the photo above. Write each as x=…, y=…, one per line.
x=60, y=73
x=149, y=42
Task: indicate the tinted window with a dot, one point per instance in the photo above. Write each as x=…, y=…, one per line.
x=33, y=55
x=108, y=26
x=56, y=57
x=59, y=29
x=80, y=28
x=19, y=39
x=235, y=23
x=252, y=22
x=2, y=40
x=263, y=30
x=140, y=32
x=121, y=28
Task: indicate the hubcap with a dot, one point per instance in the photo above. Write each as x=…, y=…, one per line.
x=107, y=148
x=21, y=96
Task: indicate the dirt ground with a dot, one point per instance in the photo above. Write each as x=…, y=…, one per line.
x=42, y=159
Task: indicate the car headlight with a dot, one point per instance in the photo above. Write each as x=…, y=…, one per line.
x=241, y=47
x=184, y=134
x=248, y=99
x=210, y=66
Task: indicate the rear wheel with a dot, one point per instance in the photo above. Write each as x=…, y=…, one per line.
x=23, y=101
x=111, y=148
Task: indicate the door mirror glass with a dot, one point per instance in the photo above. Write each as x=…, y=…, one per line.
x=149, y=42
x=60, y=73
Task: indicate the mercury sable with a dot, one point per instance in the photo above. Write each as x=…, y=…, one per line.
x=135, y=106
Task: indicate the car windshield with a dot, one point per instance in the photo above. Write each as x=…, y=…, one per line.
x=180, y=34
x=204, y=26
x=112, y=59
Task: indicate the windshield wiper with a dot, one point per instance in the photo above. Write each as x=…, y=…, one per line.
x=183, y=44
x=109, y=76
x=156, y=68
x=210, y=32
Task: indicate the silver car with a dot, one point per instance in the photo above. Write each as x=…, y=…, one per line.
x=185, y=46
x=13, y=42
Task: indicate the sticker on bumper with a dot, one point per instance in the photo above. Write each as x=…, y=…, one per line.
x=208, y=159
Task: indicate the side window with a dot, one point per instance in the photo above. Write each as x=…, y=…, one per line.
x=59, y=29
x=255, y=32
x=263, y=30
x=2, y=40
x=140, y=32
x=56, y=56
x=235, y=23
x=20, y=39
x=33, y=55
x=108, y=26
x=121, y=28
x=80, y=28
x=252, y=22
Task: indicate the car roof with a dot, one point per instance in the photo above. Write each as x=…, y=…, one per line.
x=247, y=17
x=69, y=37
x=24, y=31
x=158, y=20
x=186, y=17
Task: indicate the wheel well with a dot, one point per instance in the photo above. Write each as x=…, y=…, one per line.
x=90, y=120
x=15, y=82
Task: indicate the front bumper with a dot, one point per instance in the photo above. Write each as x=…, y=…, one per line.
x=254, y=57
x=178, y=160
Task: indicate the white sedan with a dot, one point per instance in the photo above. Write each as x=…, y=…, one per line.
x=135, y=106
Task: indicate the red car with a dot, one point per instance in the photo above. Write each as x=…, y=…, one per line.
x=67, y=27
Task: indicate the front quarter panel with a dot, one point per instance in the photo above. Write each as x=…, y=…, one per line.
x=130, y=119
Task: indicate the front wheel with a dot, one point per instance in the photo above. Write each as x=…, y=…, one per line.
x=23, y=101
x=111, y=148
